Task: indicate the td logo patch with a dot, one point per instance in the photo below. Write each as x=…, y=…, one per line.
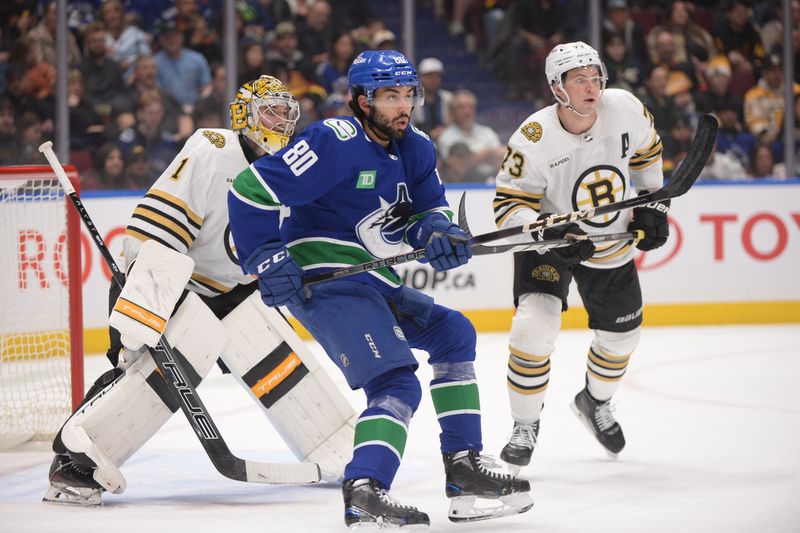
x=366, y=179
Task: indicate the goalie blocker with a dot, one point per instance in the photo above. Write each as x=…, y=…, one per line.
x=259, y=347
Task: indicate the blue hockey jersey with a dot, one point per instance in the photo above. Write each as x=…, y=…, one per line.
x=350, y=199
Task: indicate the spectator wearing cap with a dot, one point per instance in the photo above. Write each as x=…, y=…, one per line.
x=618, y=22
x=624, y=70
x=384, y=40
x=316, y=32
x=654, y=95
x=434, y=115
x=765, y=102
x=679, y=88
x=183, y=73
x=677, y=143
x=137, y=169
x=285, y=54
x=717, y=86
x=732, y=138
x=486, y=151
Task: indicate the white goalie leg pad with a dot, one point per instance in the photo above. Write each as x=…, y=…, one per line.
x=118, y=421
x=608, y=360
x=279, y=371
x=534, y=330
x=152, y=288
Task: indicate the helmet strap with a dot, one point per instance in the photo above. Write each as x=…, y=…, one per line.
x=566, y=103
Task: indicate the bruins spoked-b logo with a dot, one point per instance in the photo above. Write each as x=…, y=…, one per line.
x=546, y=273
x=599, y=185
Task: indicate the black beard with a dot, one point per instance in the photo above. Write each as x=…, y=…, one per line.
x=384, y=129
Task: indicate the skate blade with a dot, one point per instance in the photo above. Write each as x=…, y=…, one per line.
x=513, y=469
x=76, y=496
x=366, y=527
x=463, y=508
x=588, y=425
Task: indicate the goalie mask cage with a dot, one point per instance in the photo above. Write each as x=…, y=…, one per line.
x=41, y=317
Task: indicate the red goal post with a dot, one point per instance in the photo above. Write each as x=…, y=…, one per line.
x=41, y=310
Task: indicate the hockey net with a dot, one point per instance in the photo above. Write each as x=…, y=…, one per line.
x=41, y=323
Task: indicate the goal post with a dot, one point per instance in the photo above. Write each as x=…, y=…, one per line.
x=41, y=310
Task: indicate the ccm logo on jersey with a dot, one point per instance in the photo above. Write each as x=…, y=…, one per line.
x=277, y=258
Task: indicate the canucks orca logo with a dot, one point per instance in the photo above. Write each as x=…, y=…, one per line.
x=381, y=232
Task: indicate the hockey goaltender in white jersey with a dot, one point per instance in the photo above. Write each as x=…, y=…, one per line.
x=178, y=238
x=613, y=160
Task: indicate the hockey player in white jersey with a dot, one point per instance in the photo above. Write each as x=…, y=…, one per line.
x=593, y=147
x=180, y=231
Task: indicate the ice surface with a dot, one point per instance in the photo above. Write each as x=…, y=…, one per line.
x=711, y=416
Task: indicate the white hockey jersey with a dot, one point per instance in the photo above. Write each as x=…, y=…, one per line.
x=186, y=209
x=549, y=170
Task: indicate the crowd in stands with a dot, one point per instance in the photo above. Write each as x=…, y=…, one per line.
x=144, y=74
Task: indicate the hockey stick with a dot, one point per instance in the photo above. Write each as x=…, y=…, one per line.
x=568, y=239
x=682, y=180
x=180, y=389
x=476, y=250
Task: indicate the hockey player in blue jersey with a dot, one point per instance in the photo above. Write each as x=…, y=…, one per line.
x=348, y=190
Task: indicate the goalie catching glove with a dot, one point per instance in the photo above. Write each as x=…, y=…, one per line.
x=653, y=220
x=574, y=253
x=445, y=243
x=280, y=278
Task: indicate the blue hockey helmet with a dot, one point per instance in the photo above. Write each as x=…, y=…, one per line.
x=374, y=69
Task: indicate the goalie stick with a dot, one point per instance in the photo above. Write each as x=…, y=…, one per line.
x=181, y=390
x=682, y=180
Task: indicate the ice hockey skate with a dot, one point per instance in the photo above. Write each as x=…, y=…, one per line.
x=72, y=483
x=598, y=418
x=368, y=507
x=517, y=453
x=468, y=480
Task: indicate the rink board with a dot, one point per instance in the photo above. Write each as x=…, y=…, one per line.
x=733, y=257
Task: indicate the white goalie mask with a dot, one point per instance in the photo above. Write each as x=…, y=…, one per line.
x=266, y=112
x=566, y=57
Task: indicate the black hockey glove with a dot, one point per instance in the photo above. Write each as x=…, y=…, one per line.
x=652, y=219
x=574, y=253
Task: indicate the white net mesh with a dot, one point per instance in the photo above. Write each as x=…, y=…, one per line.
x=35, y=390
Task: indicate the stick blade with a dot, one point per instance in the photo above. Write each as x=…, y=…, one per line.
x=462, y=215
x=282, y=474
